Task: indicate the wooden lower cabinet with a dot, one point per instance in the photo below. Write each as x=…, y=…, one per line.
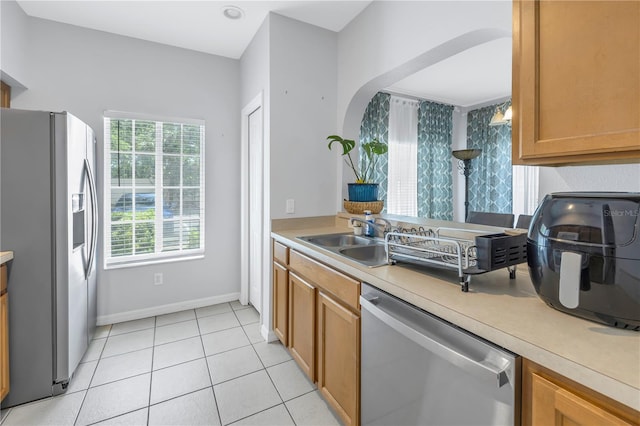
x=5, y=95
x=339, y=358
x=4, y=347
x=4, y=334
x=551, y=399
x=321, y=327
x=281, y=302
x=302, y=324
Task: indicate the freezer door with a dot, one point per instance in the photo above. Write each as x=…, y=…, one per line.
x=92, y=232
x=71, y=205
x=25, y=181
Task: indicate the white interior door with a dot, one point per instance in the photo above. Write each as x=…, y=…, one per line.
x=255, y=207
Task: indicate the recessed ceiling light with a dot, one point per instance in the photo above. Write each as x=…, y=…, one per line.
x=232, y=12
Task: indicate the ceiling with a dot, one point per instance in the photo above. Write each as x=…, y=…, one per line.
x=470, y=78
x=195, y=25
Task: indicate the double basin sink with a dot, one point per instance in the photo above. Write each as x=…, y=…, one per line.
x=364, y=250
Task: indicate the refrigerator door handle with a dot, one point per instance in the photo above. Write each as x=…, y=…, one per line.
x=94, y=217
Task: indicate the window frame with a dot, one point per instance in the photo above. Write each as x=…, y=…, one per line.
x=157, y=256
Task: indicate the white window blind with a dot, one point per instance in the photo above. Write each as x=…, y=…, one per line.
x=154, y=188
x=402, y=194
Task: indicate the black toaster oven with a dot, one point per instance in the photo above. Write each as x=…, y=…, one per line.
x=583, y=251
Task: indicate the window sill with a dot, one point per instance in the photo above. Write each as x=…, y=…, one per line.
x=147, y=262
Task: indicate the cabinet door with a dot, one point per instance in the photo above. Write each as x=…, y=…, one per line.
x=280, y=302
x=549, y=398
x=576, y=91
x=553, y=405
x=339, y=358
x=302, y=324
x=5, y=95
x=4, y=346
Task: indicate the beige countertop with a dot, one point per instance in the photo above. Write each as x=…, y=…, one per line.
x=5, y=256
x=506, y=312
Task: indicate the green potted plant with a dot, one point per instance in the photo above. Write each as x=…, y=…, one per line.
x=363, y=190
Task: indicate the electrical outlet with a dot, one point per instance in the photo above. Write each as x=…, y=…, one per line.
x=157, y=278
x=291, y=206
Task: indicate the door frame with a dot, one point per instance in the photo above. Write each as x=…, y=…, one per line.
x=250, y=108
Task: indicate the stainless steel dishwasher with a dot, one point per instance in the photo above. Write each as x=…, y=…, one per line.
x=418, y=369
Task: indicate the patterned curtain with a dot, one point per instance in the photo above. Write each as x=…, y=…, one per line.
x=435, y=183
x=490, y=182
x=375, y=125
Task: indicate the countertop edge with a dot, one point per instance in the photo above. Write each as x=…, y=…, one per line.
x=596, y=380
x=5, y=256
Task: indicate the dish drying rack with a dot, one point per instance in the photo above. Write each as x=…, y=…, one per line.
x=481, y=253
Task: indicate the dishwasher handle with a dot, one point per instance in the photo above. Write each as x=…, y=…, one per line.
x=476, y=368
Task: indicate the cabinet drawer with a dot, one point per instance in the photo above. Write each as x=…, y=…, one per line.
x=345, y=288
x=3, y=279
x=281, y=253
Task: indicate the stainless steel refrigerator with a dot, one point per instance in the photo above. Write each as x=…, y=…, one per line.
x=48, y=218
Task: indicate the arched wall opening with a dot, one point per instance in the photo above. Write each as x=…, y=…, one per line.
x=359, y=101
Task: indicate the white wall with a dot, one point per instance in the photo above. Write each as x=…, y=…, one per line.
x=13, y=39
x=87, y=72
x=303, y=92
x=388, y=37
x=293, y=64
x=13, y=23
x=254, y=66
x=616, y=177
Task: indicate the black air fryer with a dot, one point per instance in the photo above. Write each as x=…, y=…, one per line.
x=583, y=251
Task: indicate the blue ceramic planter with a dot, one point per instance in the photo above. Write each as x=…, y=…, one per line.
x=363, y=192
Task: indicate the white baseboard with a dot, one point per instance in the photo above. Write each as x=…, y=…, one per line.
x=166, y=309
x=267, y=334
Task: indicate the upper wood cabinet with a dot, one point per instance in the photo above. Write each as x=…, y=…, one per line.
x=576, y=81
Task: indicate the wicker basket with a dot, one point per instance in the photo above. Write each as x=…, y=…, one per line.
x=358, y=207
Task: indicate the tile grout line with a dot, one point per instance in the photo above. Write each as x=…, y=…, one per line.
x=86, y=392
x=264, y=368
x=181, y=362
x=251, y=415
x=284, y=403
x=204, y=353
x=114, y=417
x=8, y=411
x=270, y=378
x=153, y=348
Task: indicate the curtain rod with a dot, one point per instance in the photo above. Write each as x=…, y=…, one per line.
x=402, y=95
x=416, y=98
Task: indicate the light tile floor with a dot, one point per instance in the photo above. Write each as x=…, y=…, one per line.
x=206, y=366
